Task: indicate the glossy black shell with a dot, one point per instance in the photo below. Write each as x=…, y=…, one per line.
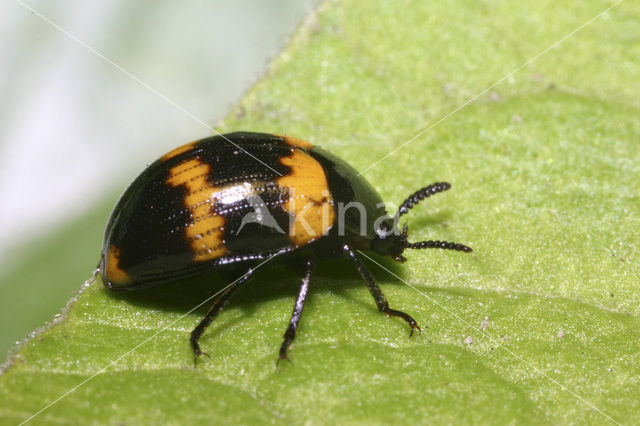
x=152, y=235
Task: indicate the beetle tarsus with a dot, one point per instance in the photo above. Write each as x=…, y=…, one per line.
x=283, y=357
x=413, y=327
x=197, y=354
x=408, y=318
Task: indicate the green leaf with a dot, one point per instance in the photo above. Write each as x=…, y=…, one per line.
x=540, y=324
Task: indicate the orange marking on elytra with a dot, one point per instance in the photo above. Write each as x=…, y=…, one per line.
x=115, y=274
x=179, y=150
x=205, y=231
x=296, y=142
x=310, y=199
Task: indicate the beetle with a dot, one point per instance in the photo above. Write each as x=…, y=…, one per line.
x=233, y=201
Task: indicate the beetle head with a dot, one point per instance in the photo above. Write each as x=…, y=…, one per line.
x=390, y=242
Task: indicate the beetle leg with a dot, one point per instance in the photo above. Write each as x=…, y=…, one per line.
x=290, y=334
x=381, y=301
x=215, y=310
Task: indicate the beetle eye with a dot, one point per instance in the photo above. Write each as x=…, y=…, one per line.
x=384, y=228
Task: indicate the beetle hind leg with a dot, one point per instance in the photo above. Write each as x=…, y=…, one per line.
x=381, y=301
x=214, y=311
x=290, y=334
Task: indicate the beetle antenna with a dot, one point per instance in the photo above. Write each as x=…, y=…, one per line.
x=420, y=195
x=447, y=245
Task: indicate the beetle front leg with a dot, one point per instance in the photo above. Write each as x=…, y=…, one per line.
x=381, y=301
x=290, y=334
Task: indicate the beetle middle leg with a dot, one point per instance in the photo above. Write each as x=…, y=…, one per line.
x=381, y=301
x=290, y=334
x=215, y=310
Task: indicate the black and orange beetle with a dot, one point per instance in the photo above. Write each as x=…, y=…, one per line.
x=233, y=201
